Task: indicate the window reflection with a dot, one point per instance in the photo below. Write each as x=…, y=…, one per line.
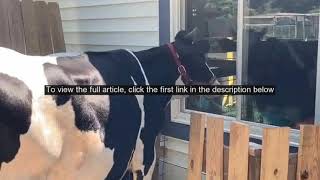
x=280, y=48
x=216, y=20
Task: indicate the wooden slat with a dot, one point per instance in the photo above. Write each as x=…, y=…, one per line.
x=214, y=149
x=238, y=152
x=293, y=162
x=275, y=154
x=309, y=153
x=16, y=26
x=42, y=16
x=196, y=143
x=4, y=25
x=254, y=163
x=56, y=27
x=30, y=28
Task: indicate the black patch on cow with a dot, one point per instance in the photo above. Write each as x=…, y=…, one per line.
x=90, y=111
x=123, y=124
x=160, y=70
x=290, y=65
x=117, y=68
x=128, y=176
x=89, y=114
x=15, y=113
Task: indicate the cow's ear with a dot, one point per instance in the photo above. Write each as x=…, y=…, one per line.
x=181, y=37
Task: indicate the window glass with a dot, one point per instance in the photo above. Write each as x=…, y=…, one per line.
x=216, y=20
x=280, y=48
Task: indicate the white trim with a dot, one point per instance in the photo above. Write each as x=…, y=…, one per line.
x=240, y=23
x=177, y=17
x=317, y=101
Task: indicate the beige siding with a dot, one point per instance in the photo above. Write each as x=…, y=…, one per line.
x=98, y=25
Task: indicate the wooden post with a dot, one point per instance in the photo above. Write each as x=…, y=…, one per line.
x=309, y=153
x=196, y=143
x=214, y=150
x=42, y=16
x=275, y=154
x=16, y=26
x=238, y=152
x=4, y=25
x=56, y=27
x=30, y=28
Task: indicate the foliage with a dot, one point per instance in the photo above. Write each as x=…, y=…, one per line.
x=221, y=8
x=285, y=6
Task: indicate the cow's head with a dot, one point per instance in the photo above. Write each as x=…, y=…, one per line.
x=192, y=54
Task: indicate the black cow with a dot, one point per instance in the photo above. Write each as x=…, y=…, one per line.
x=90, y=137
x=290, y=65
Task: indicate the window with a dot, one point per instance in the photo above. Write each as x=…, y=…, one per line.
x=280, y=48
x=216, y=20
x=214, y=24
x=277, y=44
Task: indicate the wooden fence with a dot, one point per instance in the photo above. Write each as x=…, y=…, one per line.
x=32, y=28
x=240, y=161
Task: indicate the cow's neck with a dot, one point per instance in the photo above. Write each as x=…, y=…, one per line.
x=158, y=65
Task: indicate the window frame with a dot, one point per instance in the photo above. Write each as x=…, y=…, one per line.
x=179, y=114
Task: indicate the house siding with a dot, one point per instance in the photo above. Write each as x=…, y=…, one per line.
x=99, y=25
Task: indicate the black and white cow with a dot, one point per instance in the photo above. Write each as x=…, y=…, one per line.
x=46, y=137
x=90, y=137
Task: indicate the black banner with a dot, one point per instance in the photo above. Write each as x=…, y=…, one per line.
x=160, y=90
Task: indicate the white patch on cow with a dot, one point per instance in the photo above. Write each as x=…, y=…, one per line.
x=53, y=148
x=28, y=69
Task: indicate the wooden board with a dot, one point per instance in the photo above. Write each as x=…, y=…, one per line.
x=238, y=152
x=196, y=142
x=56, y=28
x=16, y=26
x=214, y=149
x=309, y=153
x=275, y=154
x=4, y=25
x=42, y=16
x=30, y=28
